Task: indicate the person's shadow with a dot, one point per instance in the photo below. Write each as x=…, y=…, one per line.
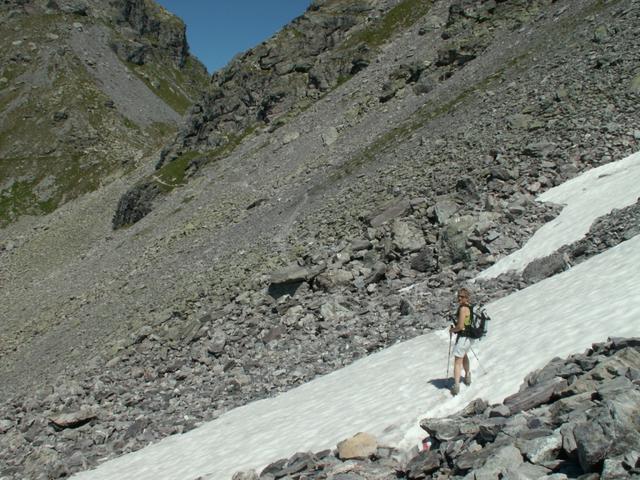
x=441, y=383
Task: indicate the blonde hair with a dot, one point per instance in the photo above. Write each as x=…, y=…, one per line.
x=465, y=293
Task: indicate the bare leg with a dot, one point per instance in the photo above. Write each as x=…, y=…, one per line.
x=465, y=364
x=457, y=369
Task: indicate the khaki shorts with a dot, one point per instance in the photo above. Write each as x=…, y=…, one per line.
x=462, y=346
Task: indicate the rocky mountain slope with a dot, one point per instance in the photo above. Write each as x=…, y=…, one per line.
x=102, y=83
x=271, y=241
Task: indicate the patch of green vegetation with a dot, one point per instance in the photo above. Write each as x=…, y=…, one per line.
x=193, y=74
x=71, y=176
x=172, y=174
x=102, y=136
x=38, y=25
x=342, y=79
x=11, y=72
x=175, y=100
x=161, y=87
x=20, y=124
x=16, y=201
x=7, y=98
x=161, y=131
x=400, y=17
x=130, y=124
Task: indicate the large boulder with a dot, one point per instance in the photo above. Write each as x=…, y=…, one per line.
x=360, y=446
x=291, y=274
x=452, y=244
x=72, y=420
x=545, y=267
x=535, y=396
x=331, y=279
x=444, y=209
x=135, y=204
x=390, y=212
x=425, y=463
x=333, y=312
x=406, y=237
x=425, y=261
x=592, y=445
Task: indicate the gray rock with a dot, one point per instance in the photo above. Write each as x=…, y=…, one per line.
x=273, y=333
x=300, y=462
x=361, y=244
x=443, y=429
x=500, y=461
x=475, y=407
x=379, y=271
x=542, y=449
x=527, y=471
x=330, y=136
x=291, y=274
x=452, y=245
x=539, y=149
x=499, y=457
x=217, y=343
x=424, y=85
x=592, y=445
x=423, y=464
x=5, y=426
x=445, y=209
x=467, y=189
x=489, y=429
x=135, y=204
x=635, y=84
x=501, y=173
x=333, y=278
x=406, y=237
x=390, y=212
x=615, y=468
x=519, y=121
x=545, y=267
x=290, y=137
x=250, y=475
x=535, y=396
x=425, y=261
x=333, y=312
x=499, y=411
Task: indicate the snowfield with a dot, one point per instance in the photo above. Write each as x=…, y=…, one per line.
x=389, y=392
x=591, y=195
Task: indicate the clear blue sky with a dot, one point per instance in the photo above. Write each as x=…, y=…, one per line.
x=218, y=29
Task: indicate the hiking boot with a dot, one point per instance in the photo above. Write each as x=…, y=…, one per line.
x=455, y=389
x=467, y=378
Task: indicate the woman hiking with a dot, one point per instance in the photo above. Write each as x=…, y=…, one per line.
x=463, y=342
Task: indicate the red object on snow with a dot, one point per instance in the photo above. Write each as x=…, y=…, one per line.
x=426, y=444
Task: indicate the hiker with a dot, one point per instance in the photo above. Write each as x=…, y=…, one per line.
x=463, y=342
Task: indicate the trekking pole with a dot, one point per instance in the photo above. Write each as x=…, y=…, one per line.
x=449, y=355
x=474, y=354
